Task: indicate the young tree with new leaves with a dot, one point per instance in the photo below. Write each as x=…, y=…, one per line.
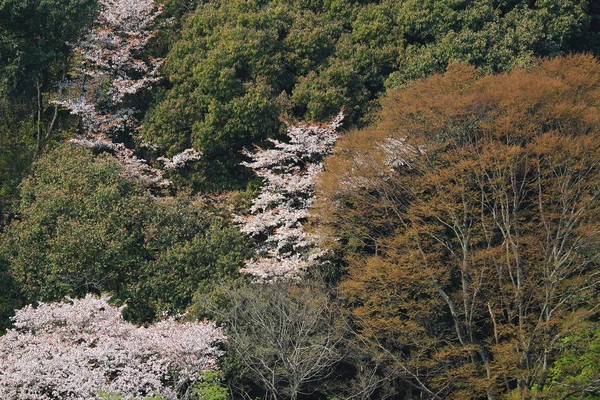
x=278, y=214
x=288, y=337
x=81, y=348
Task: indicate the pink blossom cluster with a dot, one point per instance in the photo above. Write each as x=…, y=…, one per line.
x=179, y=160
x=110, y=53
x=133, y=167
x=277, y=215
x=83, y=347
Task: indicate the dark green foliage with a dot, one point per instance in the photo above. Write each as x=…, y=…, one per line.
x=34, y=57
x=10, y=298
x=34, y=36
x=240, y=64
x=34, y=53
x=17, y=147
x=71, y=235
x=83, y=227
x=212, y=251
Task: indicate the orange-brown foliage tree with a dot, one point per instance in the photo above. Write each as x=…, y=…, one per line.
x=469, y=221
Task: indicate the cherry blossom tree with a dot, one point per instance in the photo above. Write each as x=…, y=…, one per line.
x=111, y=67
x=278, y=214
x=82, y=347
x=111, y=72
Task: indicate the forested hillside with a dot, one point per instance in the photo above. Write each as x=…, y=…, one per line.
x=305, y=199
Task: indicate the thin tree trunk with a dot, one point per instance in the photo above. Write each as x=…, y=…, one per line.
x=38, y=86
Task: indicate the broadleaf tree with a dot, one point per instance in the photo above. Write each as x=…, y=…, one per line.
x=240, y=64
x=468, y=219
x=83, y=226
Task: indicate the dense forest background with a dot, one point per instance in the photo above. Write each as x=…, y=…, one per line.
x=458, y=213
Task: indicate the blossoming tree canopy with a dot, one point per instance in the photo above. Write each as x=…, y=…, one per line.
x=111, y=71
x=82, y=347
x=111, y=66
x=277, y=215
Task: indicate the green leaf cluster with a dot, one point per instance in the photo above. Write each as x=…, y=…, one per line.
x=239, y=65
x=209, y=388
x=83, y=227
x=576, y=373
x=34, y=38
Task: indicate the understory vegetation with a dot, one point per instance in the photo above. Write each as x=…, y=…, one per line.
x=306, y=199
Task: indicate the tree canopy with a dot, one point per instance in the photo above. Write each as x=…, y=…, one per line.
x=239, y=65
x=83, y=226
x=468, y=217
x=156, y=151
x=88, y=341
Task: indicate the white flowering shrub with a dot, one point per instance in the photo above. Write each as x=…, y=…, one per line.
x=83, y=347
x=277, y=215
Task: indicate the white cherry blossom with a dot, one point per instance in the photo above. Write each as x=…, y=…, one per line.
x=289, y=171
x=76, y=349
